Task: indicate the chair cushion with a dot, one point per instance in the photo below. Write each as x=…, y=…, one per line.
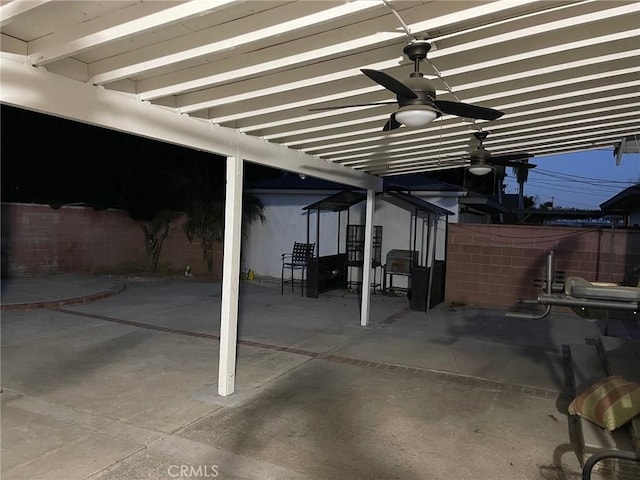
x=580, y=288
x=610, y=402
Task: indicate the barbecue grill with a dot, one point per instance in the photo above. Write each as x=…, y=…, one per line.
x=401, y=261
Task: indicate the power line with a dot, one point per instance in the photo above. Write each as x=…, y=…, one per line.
x=591, y=190
x=602, y=190
x=539, y=170
x=597, y=183
x=557, y=181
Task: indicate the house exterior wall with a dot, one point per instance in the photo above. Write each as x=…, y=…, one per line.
x=286, y=223
x=495, y=265
x=37, y=239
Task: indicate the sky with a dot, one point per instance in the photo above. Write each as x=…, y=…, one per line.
x=579, y=180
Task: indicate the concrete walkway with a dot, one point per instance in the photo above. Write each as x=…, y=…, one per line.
x=124, y=387
x=56, y=290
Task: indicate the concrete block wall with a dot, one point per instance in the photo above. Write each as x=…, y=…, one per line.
x=37, y=239
x=495, y=265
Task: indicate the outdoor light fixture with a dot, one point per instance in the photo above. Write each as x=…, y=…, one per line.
x=480, y=169
x=480, y=160
x=416, y=115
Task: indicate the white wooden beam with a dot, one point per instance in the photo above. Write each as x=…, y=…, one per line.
x=71, y=42
x=255, y=87
x=10, y=12
x=542, y=28
x=35, y=89
x=534, y=49
x=234, y=42
x=365, y=309
x=230, y=277
x=349, y=136
x=207, y=76
x=10, y=45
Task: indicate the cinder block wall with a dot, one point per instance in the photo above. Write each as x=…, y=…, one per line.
x=37, y=239
x=495, y=265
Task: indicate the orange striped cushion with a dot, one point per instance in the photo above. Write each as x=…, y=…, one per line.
x=610, y=402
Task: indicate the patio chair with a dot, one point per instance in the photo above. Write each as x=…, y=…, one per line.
x=296, y=260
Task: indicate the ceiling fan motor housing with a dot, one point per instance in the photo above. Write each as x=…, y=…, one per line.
x=480, y=155
x=424, y=90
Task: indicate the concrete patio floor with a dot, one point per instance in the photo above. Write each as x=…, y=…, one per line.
x=124, y=387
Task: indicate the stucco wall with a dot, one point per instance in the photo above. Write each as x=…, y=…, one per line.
x=37, y=239
x=495, y=265
x=285, y=224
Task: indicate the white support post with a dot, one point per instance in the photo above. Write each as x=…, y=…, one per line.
x=366, y=267
x=230, y=277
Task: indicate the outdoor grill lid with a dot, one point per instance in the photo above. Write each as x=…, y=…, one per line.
x=401, y=261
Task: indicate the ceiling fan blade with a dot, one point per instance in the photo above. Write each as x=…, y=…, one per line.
x=390, y=83
x=391, y=124
x=467, y=110
x=510, y=157
x=319, y=109
x=521, y=164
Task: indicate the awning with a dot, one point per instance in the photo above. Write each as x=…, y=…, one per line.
x=421, y=207
x=338, y=202
x=483, y=204
x=626, y=200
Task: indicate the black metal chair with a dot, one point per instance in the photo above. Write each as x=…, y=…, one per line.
x=296, y=260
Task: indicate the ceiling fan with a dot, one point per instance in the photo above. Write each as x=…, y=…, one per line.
x=482, y=160
x=416, y=96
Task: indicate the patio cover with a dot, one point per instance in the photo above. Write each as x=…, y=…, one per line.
x=564, y=73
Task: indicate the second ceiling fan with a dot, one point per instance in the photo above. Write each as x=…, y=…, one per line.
x=416, y=96
x=482, y=160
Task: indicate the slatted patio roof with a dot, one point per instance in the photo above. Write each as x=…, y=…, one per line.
x=565, y=73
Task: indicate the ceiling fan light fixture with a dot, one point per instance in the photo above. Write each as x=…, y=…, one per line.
x=416, y=115
x=480, y=169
